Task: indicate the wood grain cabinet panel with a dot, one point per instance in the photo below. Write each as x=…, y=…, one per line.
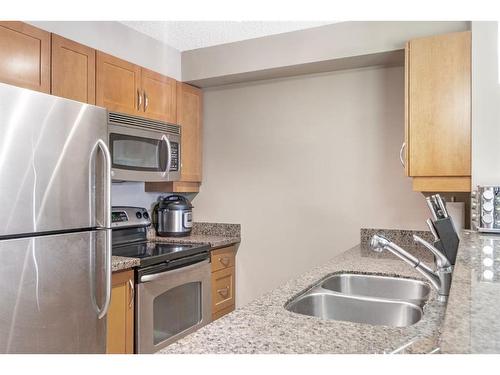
x=223, y=281
x=189, y=112
x=73, y=70
x=189, y=117
x=159, y=96
x=24, y=56
x=120, y=320
x=222, y=289
x=223, y=258
x=118, y=84
x=438, y=109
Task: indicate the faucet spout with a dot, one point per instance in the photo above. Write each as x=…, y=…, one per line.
x=440, y=279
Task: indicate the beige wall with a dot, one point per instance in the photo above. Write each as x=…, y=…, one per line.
x=302, y=163
x=304, y=49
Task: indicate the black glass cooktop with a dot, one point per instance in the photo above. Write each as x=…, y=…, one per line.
x=154, y=253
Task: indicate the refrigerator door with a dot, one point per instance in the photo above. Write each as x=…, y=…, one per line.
x=53, y=289
x=52, y=163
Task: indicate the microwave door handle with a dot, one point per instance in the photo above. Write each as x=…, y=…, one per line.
x=169, y=158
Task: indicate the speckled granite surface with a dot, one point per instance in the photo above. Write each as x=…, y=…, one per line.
x=472, y=323
x=216, y=229
x=215, y=234
x=123, y=263
x=400, y=237
x=264, y=326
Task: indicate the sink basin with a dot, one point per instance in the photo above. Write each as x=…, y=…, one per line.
x=325, y=304
x=393, y=288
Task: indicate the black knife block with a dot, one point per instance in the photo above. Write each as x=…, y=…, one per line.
x=448, y=238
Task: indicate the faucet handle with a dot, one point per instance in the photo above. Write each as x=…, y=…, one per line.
x=441, y=259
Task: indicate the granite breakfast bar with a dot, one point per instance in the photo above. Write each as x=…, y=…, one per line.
x=265, y=326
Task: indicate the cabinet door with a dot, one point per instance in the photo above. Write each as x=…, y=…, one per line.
x=438, y=117
x=118, y=84
x=24, y=56
x=120, y=337
x=223, y=289
x=73, y=70
x=189, y=114
x=159, y=96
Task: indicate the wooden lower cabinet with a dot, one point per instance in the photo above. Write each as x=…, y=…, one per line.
x=120, y=336
x=223, y=281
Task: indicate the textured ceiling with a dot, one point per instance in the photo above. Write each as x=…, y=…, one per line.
x=186, y=35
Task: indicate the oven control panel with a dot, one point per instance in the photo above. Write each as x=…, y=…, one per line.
x=124, y=216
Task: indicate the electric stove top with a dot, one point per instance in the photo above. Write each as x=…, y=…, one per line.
x=151, y=253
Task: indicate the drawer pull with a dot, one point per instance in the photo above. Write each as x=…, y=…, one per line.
x=223, y=292
x=224, y=261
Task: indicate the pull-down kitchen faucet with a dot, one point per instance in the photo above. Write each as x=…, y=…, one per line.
x=440, y=279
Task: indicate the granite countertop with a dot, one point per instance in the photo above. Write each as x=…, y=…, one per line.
x=214, y=234
x=123, y=263
x=473, y=314
x=264, y=326
x=212, y=240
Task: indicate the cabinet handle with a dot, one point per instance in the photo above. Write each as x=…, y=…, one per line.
x=224, y=261
x=223, y=292
x=139, y=100
x=146, y=101
x=401, y=159
x=131, y=292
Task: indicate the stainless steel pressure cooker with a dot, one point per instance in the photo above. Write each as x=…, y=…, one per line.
x=174, y=216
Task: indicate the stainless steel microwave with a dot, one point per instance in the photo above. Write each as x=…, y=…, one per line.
x=143, y=149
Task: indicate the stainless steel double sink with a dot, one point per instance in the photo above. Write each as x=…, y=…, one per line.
x=359, y=298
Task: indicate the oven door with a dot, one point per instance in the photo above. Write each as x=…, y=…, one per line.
x=171, y=304
x=143, y=155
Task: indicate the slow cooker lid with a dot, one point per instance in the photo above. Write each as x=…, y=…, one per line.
x=175, y=202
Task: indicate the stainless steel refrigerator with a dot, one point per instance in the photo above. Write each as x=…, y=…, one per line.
x=55, y=236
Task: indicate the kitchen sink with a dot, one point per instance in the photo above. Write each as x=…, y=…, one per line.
x=328, y=305
x=393, y=288
x=371, y=299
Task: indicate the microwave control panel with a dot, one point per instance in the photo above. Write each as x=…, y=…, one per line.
x=174, y=164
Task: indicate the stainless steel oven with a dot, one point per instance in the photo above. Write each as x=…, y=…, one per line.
x=143, y=149
x=172, y=303
x=173, y=290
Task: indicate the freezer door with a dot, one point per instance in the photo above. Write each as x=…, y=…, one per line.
x=52, y=289
x=51, y=163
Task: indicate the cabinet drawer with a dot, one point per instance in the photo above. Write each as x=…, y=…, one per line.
x=223, y=258
x=222, y=289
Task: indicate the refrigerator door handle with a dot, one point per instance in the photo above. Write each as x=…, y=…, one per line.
x=107, y=227
x=104, y=310
x=107, y=183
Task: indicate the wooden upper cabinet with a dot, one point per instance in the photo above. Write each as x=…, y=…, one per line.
x=73, y=70
x=438, y=112
x=118, y=84
x=159, y=96
x=24, y=56
x=189, y=115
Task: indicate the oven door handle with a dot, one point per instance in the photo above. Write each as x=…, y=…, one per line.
x=168, y=273
x=164, y=138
